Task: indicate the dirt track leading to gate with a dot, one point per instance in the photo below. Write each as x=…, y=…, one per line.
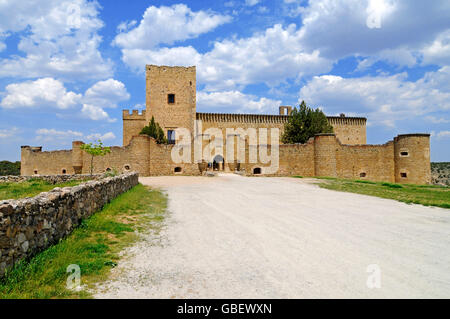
x=241, y=237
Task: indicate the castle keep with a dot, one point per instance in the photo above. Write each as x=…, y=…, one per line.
x=171, y=100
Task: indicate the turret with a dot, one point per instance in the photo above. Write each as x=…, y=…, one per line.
x=412, y=158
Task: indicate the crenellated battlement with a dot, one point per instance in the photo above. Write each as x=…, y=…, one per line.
x=343, y=120
x=134, y=115
x=241, y=118
x=268, y=118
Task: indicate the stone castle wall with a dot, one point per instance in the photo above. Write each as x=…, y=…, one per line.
x=323, y=155
x=342, y=154
x=30, y=225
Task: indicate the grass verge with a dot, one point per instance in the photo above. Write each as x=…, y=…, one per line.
x=30, y=188
x=94, y=246
x=428, y=195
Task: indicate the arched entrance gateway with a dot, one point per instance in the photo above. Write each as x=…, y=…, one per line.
x=218, y=163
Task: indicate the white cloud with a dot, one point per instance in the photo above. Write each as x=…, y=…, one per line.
x=340, y=28
x=441, y=134
x=9, y=133
x=251, y=3
x=51, y=93
x=95, y=113
x=59, y=39
x=51, y=135
x=270, y=57
x=46, y=92
x=103, y=137
x=106, y=93
x=235, y=101
x=436, y=120
x=166, y=25
x=439, y=51
x=60, y=137
x=384, y=99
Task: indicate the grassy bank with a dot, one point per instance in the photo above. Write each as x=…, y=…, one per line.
x=29, y=188
x=428, y=195
x=94, y=246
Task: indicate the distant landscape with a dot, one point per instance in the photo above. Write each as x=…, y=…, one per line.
x=440, y=171
x=9, y=168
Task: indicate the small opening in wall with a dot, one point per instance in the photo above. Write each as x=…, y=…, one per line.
x=404, y=153
x=170, y=98
x=403, y=175
x=127, y=167
x=64, y=171
x=363, y=174
x=177, y=170
x=35, y=171
x=108, y=169
x=257, y=170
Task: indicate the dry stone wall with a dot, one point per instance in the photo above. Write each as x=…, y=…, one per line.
x=52, y=179
x=30, y=225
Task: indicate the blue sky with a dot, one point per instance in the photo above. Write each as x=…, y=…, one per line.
x=68, y=68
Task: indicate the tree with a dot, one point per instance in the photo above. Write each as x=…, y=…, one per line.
x=154, y=130
x=95, y=150
x=9, y=168
x=304, y=123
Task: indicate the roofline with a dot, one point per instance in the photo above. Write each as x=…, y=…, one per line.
x=277, y=115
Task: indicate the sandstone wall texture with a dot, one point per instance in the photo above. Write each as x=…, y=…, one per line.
x=162, y=81
x=406, y=159
x=30, y=225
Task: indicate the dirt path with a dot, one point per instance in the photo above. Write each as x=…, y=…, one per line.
x=239, y=237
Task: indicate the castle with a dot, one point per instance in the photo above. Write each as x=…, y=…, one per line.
x=171, y=100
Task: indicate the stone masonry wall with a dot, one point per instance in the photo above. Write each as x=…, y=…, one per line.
x=52, y=179
x=30, y=225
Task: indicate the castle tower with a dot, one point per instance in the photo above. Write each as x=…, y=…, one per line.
x=171, y=97
x=412, y=158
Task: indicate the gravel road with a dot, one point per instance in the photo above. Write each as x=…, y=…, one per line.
x=244, y=237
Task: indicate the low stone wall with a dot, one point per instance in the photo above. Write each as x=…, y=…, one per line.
x=53, y=179
x=30, y=225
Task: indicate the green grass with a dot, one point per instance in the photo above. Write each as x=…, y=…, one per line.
x=428, y=195
x=94, y=246
x=30, y=188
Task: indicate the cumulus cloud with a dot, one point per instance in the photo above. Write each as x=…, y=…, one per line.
x=166, y=25
x=381, y=29
x=270, y=57
x=50, y=93
x=61, y=136
x=235, y=101
x=42, y=92
x=58, y=38
x=384, y=99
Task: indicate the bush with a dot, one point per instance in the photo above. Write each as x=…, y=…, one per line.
x=9, y=168
x=155, y=131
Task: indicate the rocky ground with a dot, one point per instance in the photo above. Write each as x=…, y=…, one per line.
x=440, y=173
